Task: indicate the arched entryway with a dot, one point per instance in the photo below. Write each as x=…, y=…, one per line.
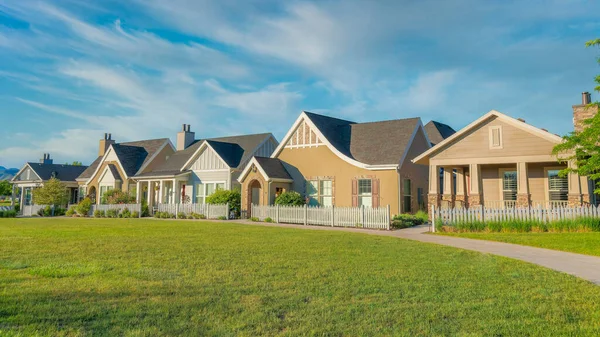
x=92, y=194
x=254, y=195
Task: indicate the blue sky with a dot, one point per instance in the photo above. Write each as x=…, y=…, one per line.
x=71, y=70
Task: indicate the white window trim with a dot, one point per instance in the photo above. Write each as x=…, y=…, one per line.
x=491, y=135
x=205, y=183
x=501, y=178
x=547, y=180
x=359, y=195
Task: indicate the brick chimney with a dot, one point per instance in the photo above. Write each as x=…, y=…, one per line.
x=185, y=137
x=105, y=143
x=46, y=159
x=582, y=111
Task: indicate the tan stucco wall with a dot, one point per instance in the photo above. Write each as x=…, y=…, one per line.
x=418, y=174
x=246, y=190
x=475, y=143
x=94, y=182
x=320, y=161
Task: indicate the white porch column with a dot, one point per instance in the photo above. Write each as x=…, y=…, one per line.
x=161, y=190
x=460, y=197
x=150, y=193
x=22, y=197
x=449, y=197
x=138, y=190
x=12, y=197
x=176, y=191
x=523, y=197
x=475, y=197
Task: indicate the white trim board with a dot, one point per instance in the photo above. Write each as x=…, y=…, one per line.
x=110, y=150
x=253, y=161
x=23, y=169
x=305, y=118
x=493, y=113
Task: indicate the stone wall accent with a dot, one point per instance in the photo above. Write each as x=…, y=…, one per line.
x=475, y=200
x=523, y=200
x=574, y=200
x=448, y=200
x=434, y=199
x=581, y=113
x=461, y=200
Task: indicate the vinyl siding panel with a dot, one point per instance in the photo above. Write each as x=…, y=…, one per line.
x=476, y=143
x=207, y=176
x=208, y=160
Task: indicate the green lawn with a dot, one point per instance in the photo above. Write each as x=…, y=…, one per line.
x=143, y=277
x=582, y=243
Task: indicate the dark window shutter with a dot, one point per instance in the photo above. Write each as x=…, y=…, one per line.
x=355, y=192
x=375, y=192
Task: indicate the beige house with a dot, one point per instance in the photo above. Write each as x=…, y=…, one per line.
x=331, y=161
x=118, y=163
x=499, y=161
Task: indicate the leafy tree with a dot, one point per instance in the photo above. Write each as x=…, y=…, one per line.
x=116, y=196
x=583, y=148
x=54, y=192
x=84, y=206
x=5, y=188
x=233, y=198
x=75, y=163
x=290, y=198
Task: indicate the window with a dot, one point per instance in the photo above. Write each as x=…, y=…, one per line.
x=558, y=187
x=319, y=192
x=509, y=185
x=420, y=198
x=27, y=196
x=495, y=137
x=278, y=191
x=104, y=189
x=406, y=196
x=326, y=193
x=204, y=190
x=365, y=192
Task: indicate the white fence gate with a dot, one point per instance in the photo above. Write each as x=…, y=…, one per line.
x=208, y=210
x=31, y=210
x=365, y=217
x=462, y=215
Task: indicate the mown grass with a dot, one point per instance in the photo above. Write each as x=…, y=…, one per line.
x=141, y=277
x=582, y=243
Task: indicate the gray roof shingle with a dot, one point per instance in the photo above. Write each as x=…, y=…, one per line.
x=61, y=172
x=234, y=150
x=437, y=132
x=273, y=167
x=87, y=174
x=373, y=143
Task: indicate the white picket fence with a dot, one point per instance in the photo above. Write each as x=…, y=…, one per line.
x=210, y=211
x=365, y=217
x=462, y=215
x=119, y=207
x=30, y=210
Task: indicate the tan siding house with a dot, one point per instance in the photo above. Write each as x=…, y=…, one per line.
x=498, y=161
x=334, y=162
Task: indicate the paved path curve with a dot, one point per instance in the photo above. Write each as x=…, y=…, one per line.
x=583, y=266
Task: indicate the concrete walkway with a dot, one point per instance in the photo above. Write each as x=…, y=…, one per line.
x=583, y=266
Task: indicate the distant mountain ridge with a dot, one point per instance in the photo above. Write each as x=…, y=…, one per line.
x=7, y=173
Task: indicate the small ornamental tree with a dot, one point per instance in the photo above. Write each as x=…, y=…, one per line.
x=221, y=197
x=290, y=198
x=5, y=188
x=116, y=196
x=53, y=193
x=583, y=148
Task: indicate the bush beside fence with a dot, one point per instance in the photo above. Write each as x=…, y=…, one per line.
x=480, y=219
x=362, y=217
x=208, y=210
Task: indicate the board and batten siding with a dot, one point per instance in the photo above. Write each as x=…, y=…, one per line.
x=27, y=175
x=208, y=160
x=265, y=150
x=476, y=143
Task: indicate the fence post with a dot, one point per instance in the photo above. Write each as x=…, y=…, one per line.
x=388, y=217
x=176, y=211
x=207, y=211
x=433, y=218
x=277, y=213
x=305, y=214
x=332, y=216
x=362, y=216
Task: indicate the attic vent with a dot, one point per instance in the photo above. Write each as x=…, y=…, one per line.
x=495, y=137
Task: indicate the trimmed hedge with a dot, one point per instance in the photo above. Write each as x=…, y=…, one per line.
x=581, y=224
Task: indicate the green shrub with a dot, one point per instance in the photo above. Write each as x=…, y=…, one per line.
x=255, y=219
x=135, y=214
x=268, y=219
x=222, y=197
x=116, y=196
x=98, y=214
x=399, y=224
x=413, y=219
x=8, y=214
x=84, y=206
x=190, y=217
x=157, y=215
x=145, y=209
x=222, y=217
x=112, y=213
x=423, y=216
x=17, y=208
x=582, y=224
x=198, y=216
x=126, y=213
x=290, y=198
x=181, y=215
x=71, y=212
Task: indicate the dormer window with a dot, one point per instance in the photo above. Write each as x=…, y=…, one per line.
x=496, y=137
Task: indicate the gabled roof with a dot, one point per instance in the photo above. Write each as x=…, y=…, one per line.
x=114, y=172
x=493, y=113
x=373, y=145
x=234, y=150
x=437, y=131
x=61, y=172
x=271, y=168
x=132, y=156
